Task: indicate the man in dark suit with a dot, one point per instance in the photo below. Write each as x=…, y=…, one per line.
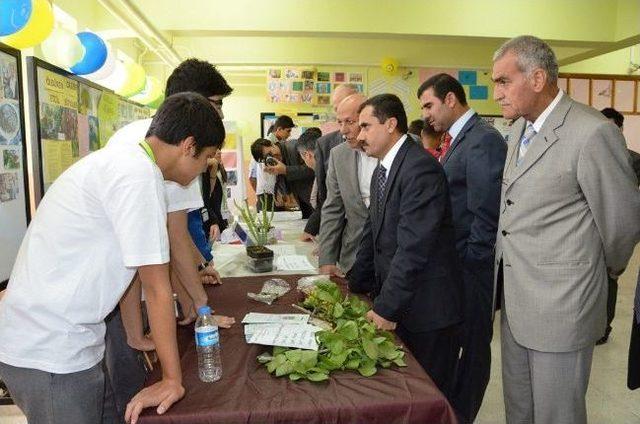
x=407, y=259
x=473, y=164
x=323, y=148
x=289, y=168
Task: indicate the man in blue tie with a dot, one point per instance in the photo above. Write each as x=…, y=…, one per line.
x=407, y=260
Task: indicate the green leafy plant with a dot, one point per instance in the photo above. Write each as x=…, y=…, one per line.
x=354, y=344
x=258, y=224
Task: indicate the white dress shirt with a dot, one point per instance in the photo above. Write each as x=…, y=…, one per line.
x=387, y=161
x=366, y=166
x=457, y=126
x=545, y=114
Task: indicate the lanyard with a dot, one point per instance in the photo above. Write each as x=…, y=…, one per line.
x=147, y=149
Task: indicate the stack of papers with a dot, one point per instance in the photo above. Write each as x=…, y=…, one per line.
x=293, y=263
x=286, y=330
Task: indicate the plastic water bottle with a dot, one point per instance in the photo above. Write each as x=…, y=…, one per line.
x=208, y=346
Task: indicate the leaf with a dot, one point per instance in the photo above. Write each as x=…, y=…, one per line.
x=349, y=330
x=317, y=376
x=336, y=346
x=309, y=358
x=338, y=359
x=338, y=310
x=385, y=364
x=271, y=367
x=284, y=369
x=295, y=376
x=277, y=350
x=293, y=355
x=352, y=364
x=325, y=296
x=367, y=370
x=378, y=340
x=370, y=348
x=400, y=362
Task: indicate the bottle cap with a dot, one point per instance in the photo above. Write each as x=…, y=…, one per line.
x=204, y=310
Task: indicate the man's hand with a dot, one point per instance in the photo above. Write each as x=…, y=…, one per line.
x=224, y=321
x=164, y=393
x=214, y=232
x=277, y=169
x=380, y=322
x=307, y=237
x=210, y=276
x=331, y=270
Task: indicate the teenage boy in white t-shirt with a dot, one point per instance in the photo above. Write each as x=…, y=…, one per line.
x=101, y=221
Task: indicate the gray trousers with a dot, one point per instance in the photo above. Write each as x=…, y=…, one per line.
x=543, y=387
x=47, y=398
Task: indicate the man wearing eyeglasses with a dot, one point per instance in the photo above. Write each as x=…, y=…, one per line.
x=345, y=209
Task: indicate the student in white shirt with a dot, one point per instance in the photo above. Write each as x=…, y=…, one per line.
x=101, y=221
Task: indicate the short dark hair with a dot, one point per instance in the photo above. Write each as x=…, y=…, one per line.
x=188, y=114
x=442, y=85
x=611, y=113
x=256, y=148
x=199, y=76
x=416, y=126
x=307, y=141
x=283, y=121
x=428, y=130
x=387, y=106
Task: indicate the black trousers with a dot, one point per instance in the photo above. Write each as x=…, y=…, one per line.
x=633, y=371
x=474, y=365
x=612, y=296
x=436, y=351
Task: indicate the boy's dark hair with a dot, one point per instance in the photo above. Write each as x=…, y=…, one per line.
x=283, y=121
x=611, y=113
x=256, y=148
x=416, y=126
x=199, y=76
x=442, y=85
x=307, y=141
x=428, y=130
x=387, y=106
x=188, y=114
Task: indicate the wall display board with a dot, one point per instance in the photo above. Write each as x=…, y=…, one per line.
x=74, y=117
x=308, y=85
x=14, y=192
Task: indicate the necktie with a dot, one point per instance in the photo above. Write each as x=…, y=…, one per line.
x=446, y=143
x=381, y=180
x=525, y=142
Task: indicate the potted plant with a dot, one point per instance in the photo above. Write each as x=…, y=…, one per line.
x=259, y=226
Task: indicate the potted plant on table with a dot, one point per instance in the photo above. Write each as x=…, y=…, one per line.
x=259, y=226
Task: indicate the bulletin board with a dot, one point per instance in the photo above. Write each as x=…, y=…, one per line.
x=621, y=92
x=74, y=117
x=14, y=191
x=309, y=86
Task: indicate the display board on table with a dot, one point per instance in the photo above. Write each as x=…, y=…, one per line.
x=73, y=118
x=232, y=157
x=14, y=192
x=621, y=92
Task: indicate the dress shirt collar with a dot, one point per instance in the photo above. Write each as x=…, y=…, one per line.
x=387, y=161
x=457, y=126
x=545, y=114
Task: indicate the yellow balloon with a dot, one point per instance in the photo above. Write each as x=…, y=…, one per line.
x=389, y=66
x=152, y=91
x=135, y=82
x=36, y=30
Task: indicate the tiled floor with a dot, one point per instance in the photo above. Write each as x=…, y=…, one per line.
x=608, y=400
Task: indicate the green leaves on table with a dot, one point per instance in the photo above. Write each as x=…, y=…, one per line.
x=353, y=344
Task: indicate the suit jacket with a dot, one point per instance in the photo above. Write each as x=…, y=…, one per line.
x=344, y=212
x=569, y=213
x=407, y=258
x=474, y=164
x=323, y=148
x=299, y=177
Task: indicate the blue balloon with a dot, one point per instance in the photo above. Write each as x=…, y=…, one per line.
x=95, y=54
x=14, y=14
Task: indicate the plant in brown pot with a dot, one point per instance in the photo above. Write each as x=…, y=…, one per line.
x=259, y=225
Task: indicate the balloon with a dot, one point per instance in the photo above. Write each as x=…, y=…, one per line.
x=106, y=69
x=156, y=103
x=135, y=82
x=62, y=48
x=389, y=66
x=14, y=15
x=152, y=91
x=95, y=54
x=117, y=79
x=38, y=27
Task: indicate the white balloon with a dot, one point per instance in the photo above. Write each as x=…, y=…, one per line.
x=117, y=79
x=62, y=48
x=105, y=70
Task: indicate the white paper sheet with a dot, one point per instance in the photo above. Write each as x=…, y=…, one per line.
x=301, y=336
x=261, y=318
x=293, y=263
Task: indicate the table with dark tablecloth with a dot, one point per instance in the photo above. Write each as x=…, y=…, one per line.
x=247, y=393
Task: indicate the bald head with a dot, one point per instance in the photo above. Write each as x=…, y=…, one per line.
x=341, y=92
x=347, y=114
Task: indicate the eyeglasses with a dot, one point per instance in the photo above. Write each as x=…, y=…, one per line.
x=215, y=102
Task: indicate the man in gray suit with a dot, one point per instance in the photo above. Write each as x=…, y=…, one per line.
x=348, y=184
x=323, y=148
x=569, y=214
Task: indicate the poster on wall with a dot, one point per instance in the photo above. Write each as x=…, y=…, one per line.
x=14, y=193
x=308, y=86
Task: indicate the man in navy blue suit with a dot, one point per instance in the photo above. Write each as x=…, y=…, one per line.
x=407, y=258
x=473, y=164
